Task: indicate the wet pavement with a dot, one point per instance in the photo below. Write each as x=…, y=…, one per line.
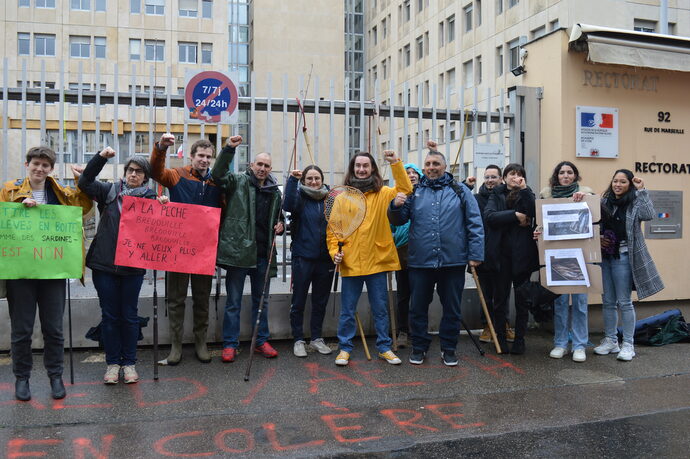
x=487, y=406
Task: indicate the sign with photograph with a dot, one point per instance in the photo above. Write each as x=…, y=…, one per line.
x=596, y=132
x=567, y=221
x=566, y=267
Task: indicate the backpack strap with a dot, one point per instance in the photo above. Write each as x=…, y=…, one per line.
x=458, y=190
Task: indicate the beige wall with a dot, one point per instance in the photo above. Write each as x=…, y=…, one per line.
x=561, y=74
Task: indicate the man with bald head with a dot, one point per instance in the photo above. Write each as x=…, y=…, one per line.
x=251, y=221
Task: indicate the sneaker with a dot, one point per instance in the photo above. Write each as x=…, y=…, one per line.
x=510, y=334
x=320, y=345
x=266, y=350
x=389, y=357
x=579, y=355
x=449, y=358
x=130, y=373
x=607, y=346
x=558, y=352
x=417, y=357
x=627, y=352
x=112, y=374
x=402, y=340
x=298, y=349
x=485, y=337
x=228, y=354
x=343, y=358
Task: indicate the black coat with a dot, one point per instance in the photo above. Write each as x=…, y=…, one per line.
x=101, y=255
x=505, y=237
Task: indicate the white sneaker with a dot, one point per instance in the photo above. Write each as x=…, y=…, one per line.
x=112, y=374
x=607, y=346
x=579, y=355
x=298, y=349
x=558, y=352
x=320, y=346
x=131, y=375
x=627, y=352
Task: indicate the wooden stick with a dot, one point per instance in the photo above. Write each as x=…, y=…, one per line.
x=361, y=333
x=391, y=311
x=486, y=310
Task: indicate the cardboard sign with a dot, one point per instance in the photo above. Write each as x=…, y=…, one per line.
x=173, y=237
x=42, y=242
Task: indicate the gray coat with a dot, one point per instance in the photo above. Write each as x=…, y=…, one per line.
x=644, y=273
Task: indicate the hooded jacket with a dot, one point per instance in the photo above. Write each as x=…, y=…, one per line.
x=307, y=221
x=370, y=249
x=101, y=255
x=445, y=229
x=237, y=240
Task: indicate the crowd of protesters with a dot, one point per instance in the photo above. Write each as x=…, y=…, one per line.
x=428, y=228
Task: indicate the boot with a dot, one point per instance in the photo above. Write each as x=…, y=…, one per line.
x=176, y=319
x=200, y=329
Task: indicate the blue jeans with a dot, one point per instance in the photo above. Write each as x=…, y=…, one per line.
x=234, y=284
x=618, y=283
x=378, y=301
x=578, y=320
x=118, y=296
x=318, y=273
x=450, y=282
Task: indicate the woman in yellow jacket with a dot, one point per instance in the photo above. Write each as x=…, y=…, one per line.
x=24, y=295
x=369, y=253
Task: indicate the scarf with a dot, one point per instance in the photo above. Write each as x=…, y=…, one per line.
x=363, y=185
x=126, y=190
x=613, y=221
x=269, y=183
x=564, y=191
x=316, y=195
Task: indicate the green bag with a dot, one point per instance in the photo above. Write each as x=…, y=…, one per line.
x=673, y=331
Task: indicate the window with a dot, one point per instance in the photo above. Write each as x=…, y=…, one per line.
x=499, y=61
x=406, y=11
x=384, y=29
x=450, y=28
x=450, y=80
x=513, y=54
x=207, y=9
x=420, y=47
x=79, y=46
x=187, y=52
x=101, y=5
x=24, y=44
x=375, y=73
x=441, y=34
x=24, y=3
x=134, y=6
x=155, y=50
x=82, y=5
x=44, y=45
x=99, y=47
x=441, y=79
x=499, y=7
x=426, y=95
x=76, y=86
x=375, y=35
x=426, y=43
x=478, y=12
x=134, y=49
x=643, y=25
x=206, y=53
x=155, y=7
x=420, y=5
x=554, y=24
x=512, y=3
x=41, y=3
x=384, y=69
x=468, y=74
x=406, y=56
x=188, y=8
x=538, y=32
x=452, y=131
x=467, y=13
x=478, y=70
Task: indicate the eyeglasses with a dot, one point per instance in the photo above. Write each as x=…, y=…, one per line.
x=491, y=177
x=131, y=170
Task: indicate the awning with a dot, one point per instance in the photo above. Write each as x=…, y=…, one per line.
x=625, y=47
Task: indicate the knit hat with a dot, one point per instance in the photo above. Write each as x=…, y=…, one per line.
x=415, y=168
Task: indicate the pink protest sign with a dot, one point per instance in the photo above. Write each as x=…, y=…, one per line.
x=168, y=237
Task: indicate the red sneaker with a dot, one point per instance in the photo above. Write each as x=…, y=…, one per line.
x=266, y=350
x=228, y=354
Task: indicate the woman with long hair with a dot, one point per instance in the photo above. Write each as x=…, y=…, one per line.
x=626, y=262
x=369, y=253
x=565, y=183
x=305, y=193
x=511, y=250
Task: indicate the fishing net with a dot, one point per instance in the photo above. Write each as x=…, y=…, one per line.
x=344, y=209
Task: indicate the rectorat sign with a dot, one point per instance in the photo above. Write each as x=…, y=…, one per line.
x=662, y=168
x=620, y=80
